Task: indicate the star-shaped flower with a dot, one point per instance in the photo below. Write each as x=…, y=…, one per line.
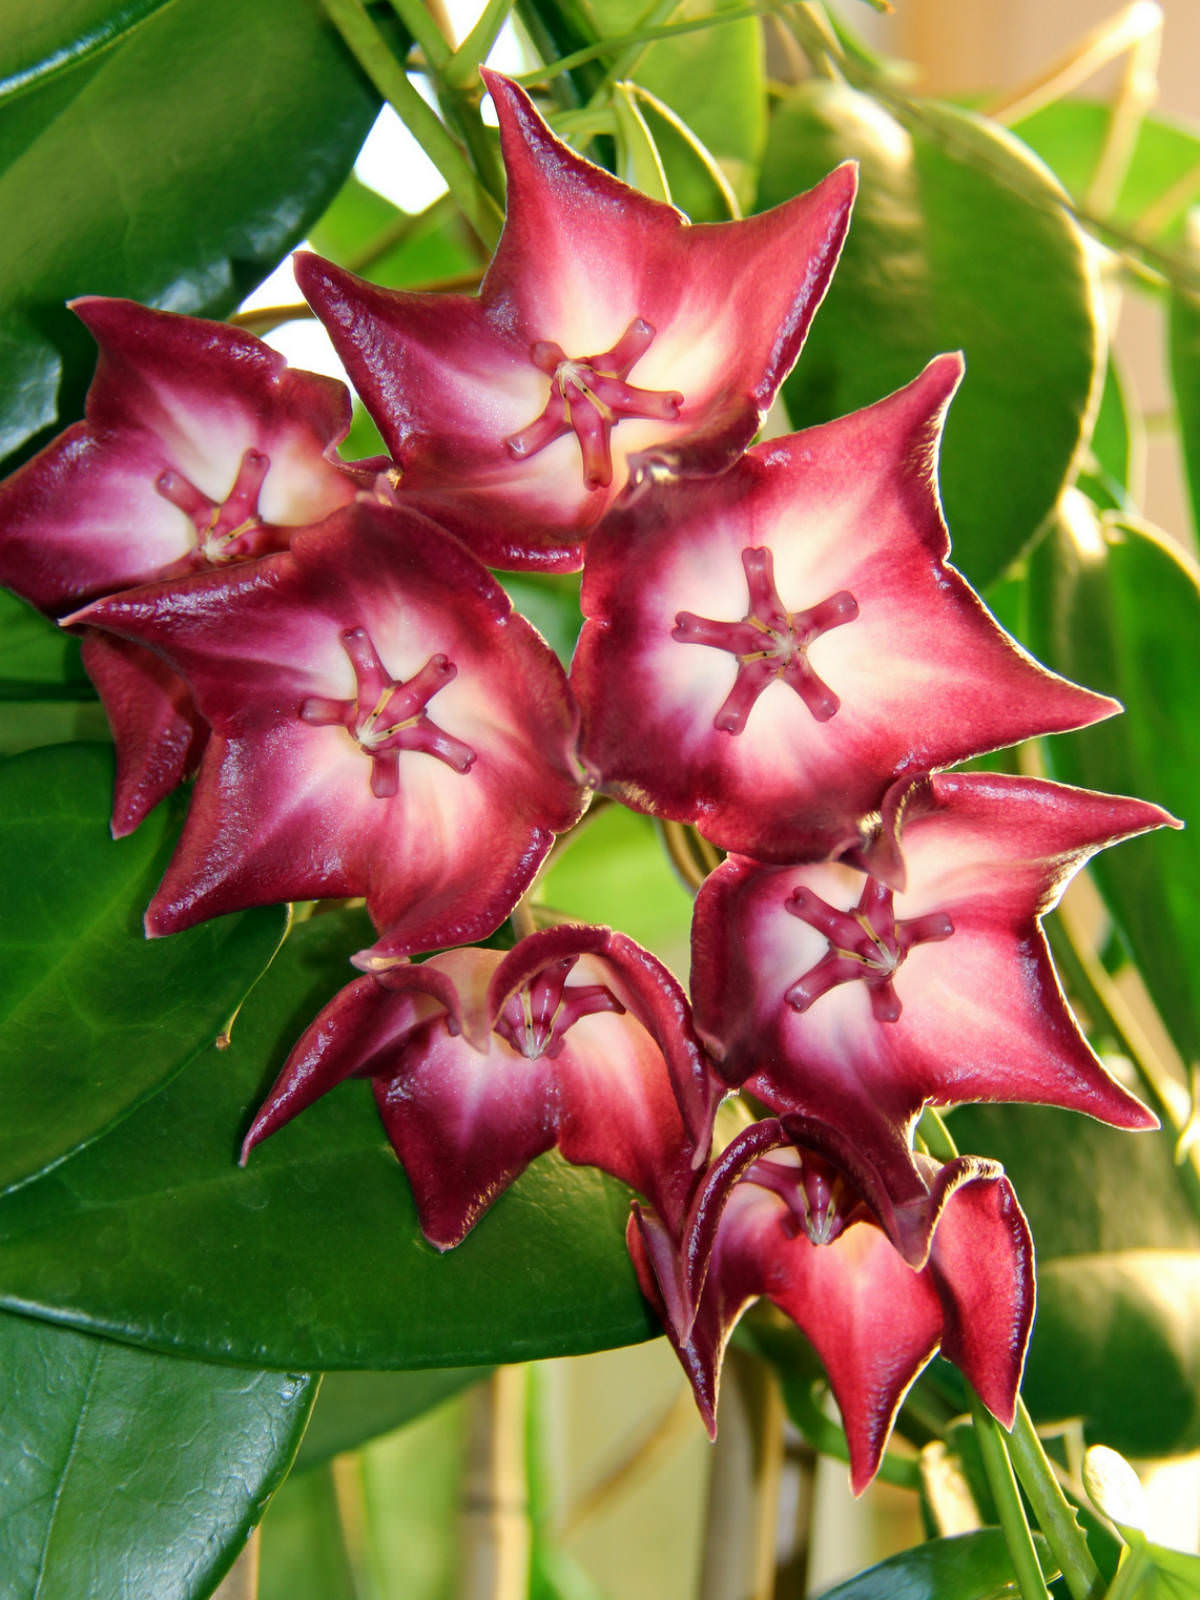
x=481, y=1061
x=383, y=724
x=199, y=448
x=840, y=1000
x=764, y=653
x=611, y=340
x=790, y=1226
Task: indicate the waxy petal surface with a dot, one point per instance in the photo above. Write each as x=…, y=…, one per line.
x=777, y=729
x=466, y=1109
x=873, y=1320
x=383, y=725
x=610, y=338
x=199, y=446
x=158, y=733
x=978, y=1012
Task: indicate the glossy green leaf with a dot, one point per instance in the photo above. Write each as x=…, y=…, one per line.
x=175, y=167
x=38, y=660
x=310, y=1257
x=1117, y=1335
x=923, y=271
x=1114, y=606
x=354, y=1407
x=1069, y=136
x=970, y=1566
x=38, y=43
x=302, y=1551
x=124, y=1473
x=616, y=872
x=93, y=1016
x=1183, y=344
x=714, y=80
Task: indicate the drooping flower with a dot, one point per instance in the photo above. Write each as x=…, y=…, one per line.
x=610, y=340
x=766, y=652
x=481, y=1061
x=790, y=1226
x=199, y=447
x=838, y=999
x=383, y=724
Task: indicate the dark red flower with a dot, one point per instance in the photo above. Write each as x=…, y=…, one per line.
x=610, y=341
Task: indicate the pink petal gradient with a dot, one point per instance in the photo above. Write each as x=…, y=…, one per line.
x=158, y=733
x=174, y=410
x=906, y=671
x=289, y=804
x=472, y=398
x=980, y=1013
x=468, y=1102
x=873, y=1320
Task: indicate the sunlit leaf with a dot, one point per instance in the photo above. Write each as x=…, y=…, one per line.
x=1116, y=607
x=923, y=271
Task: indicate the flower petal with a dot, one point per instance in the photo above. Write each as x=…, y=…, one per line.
x=765, y=653
x=981, y=1265
x=604, y=314
x=181, y=416
x=159, y=734
x=439, y=819
x=978, y=1014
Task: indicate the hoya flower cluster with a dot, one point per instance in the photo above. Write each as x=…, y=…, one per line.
x=774, y=650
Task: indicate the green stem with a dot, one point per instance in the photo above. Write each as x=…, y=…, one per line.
x=998, y=1467
x=1054, y=1512
x=365, y=42
x=1024, y=1451
x=423, y=30
x=628, y=57
x=462, y=66
x=643, y=36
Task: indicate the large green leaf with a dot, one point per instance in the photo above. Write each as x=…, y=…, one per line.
x=311, y=1257
x=1114, y=606
x=1117, y=1335
x=354, y=1407
x=958, y=241
x=38, y=43
x=93, y=1016
x=124, y=1473
x=175, y=167
x=971, y=1566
